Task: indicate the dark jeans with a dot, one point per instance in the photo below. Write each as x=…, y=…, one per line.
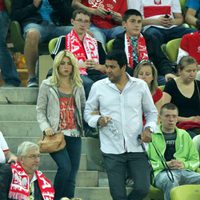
x=7, y=66
x=139, y=169
x=67, y=161
x=155, y=37
x=89, y=79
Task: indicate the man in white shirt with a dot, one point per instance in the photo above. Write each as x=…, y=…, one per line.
x=121, y=101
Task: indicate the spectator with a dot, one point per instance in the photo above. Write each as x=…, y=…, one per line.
x=184, y=93
x=177, y=148
x=41, y=20
x=87, y=50
x=106, y=17
x=8, y=68
x=22, y=180
x=5, y=155
x=132, y=40
x=162, y=22
x=146, y=71
x=121, y=100
x=192, y=16
x=60, y=105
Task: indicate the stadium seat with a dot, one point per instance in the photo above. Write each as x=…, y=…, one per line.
x=52, y=44
x=185, y=192
x=171, y=49
x=109, y=45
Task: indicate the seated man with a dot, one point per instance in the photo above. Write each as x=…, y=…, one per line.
x=177, y=148
x=162, y=22
x=106, y=17
x=132, y=41
x=87, y=50
x=41, y=20
x=22, y=180
x=192, y=16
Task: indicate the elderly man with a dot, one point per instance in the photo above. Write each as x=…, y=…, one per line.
x=22, y=180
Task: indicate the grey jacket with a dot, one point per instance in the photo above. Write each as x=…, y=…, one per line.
x=48, y=107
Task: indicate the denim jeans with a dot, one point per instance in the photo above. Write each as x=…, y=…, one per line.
x=8, y=68
x=181, y=177
x=105, y=34
x=67, y=161
x=155, y=37
x=139, y=170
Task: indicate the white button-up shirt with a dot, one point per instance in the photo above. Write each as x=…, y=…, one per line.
x=125, y=108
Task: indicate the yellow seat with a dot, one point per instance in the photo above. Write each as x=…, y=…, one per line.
x=155, y=193
x=52, y=44
x=185, y=192
x=172, y=49
x=109, y=45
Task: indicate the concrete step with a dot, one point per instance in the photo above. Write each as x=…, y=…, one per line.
x=10, y=112
x=90, y=147
x=97, y=193
x=84, y=178
x=20, y=128
x=18, y=95
x=47, y=163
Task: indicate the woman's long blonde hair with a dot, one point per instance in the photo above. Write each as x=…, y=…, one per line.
x=75, y=76
x=154, y=82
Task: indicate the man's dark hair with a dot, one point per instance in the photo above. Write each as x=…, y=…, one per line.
x=80, y=11
x=129, y=13
x=168, y=106
x=119, y=56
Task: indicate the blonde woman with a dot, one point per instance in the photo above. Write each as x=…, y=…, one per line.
x=146, y=71
x=60, y=105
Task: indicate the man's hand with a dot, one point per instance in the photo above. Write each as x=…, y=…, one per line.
x=103, y=121
x=116, y=16
x=36, y=3
x=100, y=12
x=146, y=135
x=175, y=164
x=89, y=63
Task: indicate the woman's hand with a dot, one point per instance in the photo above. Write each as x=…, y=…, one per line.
x=49, y=131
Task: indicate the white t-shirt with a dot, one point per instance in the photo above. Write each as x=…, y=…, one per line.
x=3, y=148
x=153, y=9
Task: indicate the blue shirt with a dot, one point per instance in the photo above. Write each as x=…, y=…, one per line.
x=45, y=10
x=194, y=4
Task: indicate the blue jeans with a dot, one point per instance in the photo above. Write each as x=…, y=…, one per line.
x=181, y=177
x=105, y=34
x=138, y=167
x=8, y=68
x=68, y=161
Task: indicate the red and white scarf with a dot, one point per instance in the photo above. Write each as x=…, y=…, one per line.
x=82, y=50
x=141, y=50
x=19, y=188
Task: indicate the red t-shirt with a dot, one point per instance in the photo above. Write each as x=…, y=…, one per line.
x=191, y=44
x=67, y=113
x=157, y=95
x=119, y=6
x=2, y=5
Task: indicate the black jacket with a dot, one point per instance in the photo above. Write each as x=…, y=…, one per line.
x=25, y=12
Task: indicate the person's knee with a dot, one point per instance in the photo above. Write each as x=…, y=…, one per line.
x=32, y=37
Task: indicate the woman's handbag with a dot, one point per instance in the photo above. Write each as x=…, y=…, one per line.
x=53, y=143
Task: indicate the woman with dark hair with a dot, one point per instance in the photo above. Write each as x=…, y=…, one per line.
x=184, y=93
